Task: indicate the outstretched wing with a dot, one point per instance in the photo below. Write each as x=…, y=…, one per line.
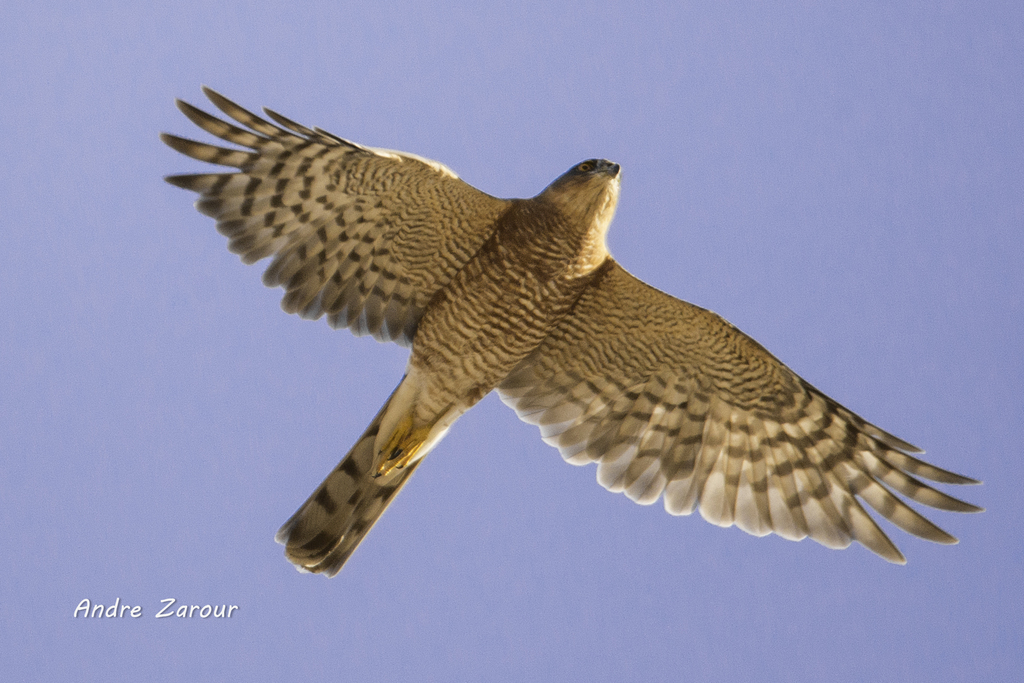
x=365, y=236
x=670, y=399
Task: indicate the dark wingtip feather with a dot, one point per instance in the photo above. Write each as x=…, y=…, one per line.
x=899, y=559
x=946, y=477
x=183, y=181
x=212, y=94
x=243, y=116
x=183, y=106
x=294, y=126
x=890, y=440
x=178, y=143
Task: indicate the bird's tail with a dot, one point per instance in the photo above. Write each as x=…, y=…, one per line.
x=321, y=535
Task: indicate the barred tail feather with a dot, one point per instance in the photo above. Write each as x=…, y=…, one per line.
x=328, y=527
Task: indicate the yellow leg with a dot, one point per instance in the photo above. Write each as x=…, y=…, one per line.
x=402, y=446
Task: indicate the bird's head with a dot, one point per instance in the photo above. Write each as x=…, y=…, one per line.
x=586, y=196
x=587, y=192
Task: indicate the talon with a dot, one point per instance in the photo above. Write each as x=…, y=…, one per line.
x=398, y=460
x=403, y=445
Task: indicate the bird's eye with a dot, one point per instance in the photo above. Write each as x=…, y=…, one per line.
x=585, y=167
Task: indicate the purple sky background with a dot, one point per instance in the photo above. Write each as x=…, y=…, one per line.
x=843, y=181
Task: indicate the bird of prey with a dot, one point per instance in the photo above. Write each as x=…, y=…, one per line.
x=521, y=296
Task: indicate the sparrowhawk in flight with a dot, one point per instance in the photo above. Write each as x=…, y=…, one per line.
x=521, y=296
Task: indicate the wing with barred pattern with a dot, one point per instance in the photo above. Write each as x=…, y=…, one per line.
x=365, y=236
x=672, y=401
